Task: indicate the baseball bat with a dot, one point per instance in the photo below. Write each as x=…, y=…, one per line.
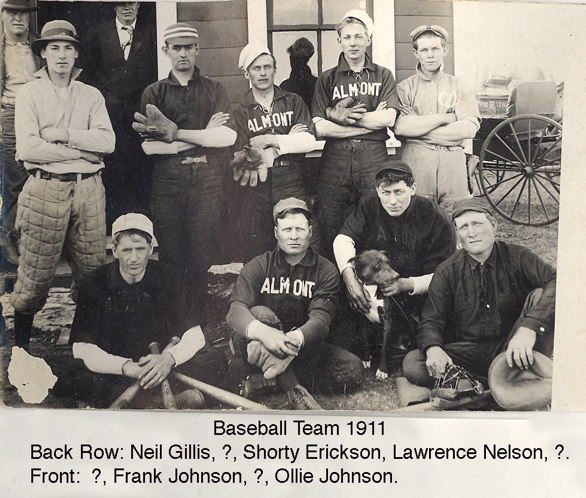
x=219, y=394
x=127, y=396
x=168, y=399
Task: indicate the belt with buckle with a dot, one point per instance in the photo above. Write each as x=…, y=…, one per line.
x=62, y=177
x=194, y=160
x=281, y=162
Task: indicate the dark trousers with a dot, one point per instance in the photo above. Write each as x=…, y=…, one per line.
x=100, y=390
x=127, y=176
x=254, y=217
x=347, y=171
x=476, y=357
x=14, y=174
x=186, y=204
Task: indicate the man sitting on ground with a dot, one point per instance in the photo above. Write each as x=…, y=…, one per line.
x=487, y=298
x=301, y=288
x=416, y=235
x=125, y=305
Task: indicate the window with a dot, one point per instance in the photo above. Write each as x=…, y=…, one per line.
x=316, y=20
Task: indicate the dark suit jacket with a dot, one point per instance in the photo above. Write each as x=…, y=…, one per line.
x=121, y=81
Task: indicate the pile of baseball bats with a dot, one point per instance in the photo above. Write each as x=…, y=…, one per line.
x=169, y=402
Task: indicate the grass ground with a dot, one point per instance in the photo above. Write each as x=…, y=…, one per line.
x=55, y=319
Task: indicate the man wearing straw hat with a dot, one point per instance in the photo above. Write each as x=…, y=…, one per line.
x=183, y=119
x=18, y=64
x=62, y=132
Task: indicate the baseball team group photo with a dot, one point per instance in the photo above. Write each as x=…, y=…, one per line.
x=271, y=205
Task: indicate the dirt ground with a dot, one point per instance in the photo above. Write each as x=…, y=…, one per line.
x=53, y=323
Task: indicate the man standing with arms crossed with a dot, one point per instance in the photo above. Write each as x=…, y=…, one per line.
x=277, y=123
x=183, y=118
x=62, y=132
x=353, y=105
x=438, y=112
x=18, y=63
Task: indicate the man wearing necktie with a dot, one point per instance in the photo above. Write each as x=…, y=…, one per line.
x=121, y=63
x=489, y=297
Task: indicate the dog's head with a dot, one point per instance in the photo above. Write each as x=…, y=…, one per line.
x=373, y=267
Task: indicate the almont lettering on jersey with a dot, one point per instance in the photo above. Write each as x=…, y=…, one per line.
x=271, y=121
x=356, y=89
x=283, y=285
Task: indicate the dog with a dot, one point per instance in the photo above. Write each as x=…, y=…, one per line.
x=374, y=270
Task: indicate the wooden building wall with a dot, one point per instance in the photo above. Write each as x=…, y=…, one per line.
x=223, y=31
x=408, y=15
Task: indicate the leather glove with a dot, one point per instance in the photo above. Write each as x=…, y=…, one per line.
x=261, y=357
x=155, y=125
x=346, y=112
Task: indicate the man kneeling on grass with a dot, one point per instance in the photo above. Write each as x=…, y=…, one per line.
x=124, y=306
x=288, y=340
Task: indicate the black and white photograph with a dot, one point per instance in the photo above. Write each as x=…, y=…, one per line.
x=271, y=205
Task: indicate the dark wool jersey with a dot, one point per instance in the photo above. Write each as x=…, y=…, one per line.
x=294, y=293
x=189, y=107
x=124, y=319
x=287, y=110
x=416, y=242
x=375, y=84
x=458, y=309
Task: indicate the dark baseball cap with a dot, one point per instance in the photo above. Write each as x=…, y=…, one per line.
x=472, y=204
x=289, y=203
x=22, y=5
x=394, y=166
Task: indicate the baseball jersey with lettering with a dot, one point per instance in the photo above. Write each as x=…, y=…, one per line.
x=416, y=242
x=373, y=85
x=287, y=110
x=294, y=293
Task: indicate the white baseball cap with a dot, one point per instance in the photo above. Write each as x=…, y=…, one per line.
x=363, y=17
x=133, y=221
x=251, y=52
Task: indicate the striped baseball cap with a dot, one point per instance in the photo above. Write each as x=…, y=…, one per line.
x=180, y=30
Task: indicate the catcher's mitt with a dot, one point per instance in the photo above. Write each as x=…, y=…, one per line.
x=456, y=383
x=155, y=125
x=249, y=166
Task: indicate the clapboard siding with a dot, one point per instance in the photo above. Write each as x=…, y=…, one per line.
x=426, y=8
x=223, y=30
x=408, y=15
x=211, y=11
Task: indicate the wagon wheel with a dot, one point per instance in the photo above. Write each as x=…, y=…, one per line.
x=520, y=169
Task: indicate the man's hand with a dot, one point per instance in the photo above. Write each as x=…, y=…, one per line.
x=276, y=341
x=155, y=368
x=520, y=348
x=131, y=369
x=298, y=128
x=357, y=295
x=55, y=135
x=91, y=157
x=398, y=286
x=264, y=141
x=346, y=112
x=218, y=119
x=155, y=125
x=437, y=360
